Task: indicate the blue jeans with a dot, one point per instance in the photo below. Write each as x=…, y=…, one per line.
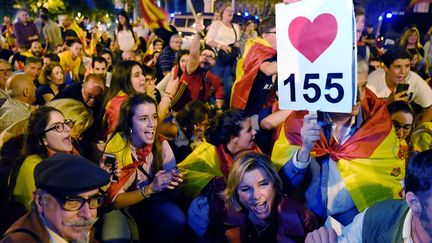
x=158, y=220
x=225, y=73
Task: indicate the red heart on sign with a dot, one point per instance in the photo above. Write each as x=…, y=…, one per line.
x=312, y=38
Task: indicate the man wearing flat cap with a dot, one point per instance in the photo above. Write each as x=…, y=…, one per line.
x=65, y=202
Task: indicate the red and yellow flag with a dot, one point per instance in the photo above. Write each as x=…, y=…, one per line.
x=368, y=161
x=256, y=52
x=154, y=16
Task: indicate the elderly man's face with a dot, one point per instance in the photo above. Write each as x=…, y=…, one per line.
x=92, y=92
x=70, y=225
x=176, y=43
x=23, y=16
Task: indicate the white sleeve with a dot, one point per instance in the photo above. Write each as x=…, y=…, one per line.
x=300, y=165
x=352, y=233
x=422, y=91
x=213, y=29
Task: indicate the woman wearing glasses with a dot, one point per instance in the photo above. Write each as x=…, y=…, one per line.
x=147, y=168
x=402, y=116
x=79, y=114
x=48, y=132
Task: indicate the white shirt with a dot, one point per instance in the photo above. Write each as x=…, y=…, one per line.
x=54, y=237
x=421, y=92
x=125, y=40
x=222, y=34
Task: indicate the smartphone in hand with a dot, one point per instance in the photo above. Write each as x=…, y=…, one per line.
x=110, y=160
x=402, y=87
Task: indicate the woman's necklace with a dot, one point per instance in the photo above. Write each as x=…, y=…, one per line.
x=262, y=230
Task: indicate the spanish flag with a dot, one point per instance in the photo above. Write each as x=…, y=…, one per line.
x=203, y=164
x=153, y=15
x=256, y=52
x=368, y=161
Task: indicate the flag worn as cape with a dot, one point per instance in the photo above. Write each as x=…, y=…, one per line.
x=368, y=161
x=153, y=15
x=112, y=112
x=256, y=52
x=202, y=165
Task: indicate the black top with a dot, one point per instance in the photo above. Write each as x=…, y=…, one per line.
x=42, y=90
x=260, y=89
x=72, y=91
x=257, y=233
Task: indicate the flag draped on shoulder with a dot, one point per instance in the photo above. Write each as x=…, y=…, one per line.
x=256, y=52
x=153, y=15
x=368, y=161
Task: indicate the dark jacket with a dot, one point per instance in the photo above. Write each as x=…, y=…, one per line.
x=30, y=222
x=294, y=222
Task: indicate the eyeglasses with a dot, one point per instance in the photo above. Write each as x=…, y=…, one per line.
x=398, y=126
x=60, y=126
x=74, y=203
x=207, y=56
x=270, y=32
x=5, y=70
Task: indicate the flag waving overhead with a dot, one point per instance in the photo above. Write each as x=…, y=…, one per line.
x=153, y=15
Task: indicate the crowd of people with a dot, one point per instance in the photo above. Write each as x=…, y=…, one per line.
x=131, y=138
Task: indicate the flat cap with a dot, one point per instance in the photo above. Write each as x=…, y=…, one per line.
x=69, y=175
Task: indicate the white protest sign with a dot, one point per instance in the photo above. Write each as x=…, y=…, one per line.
x=316, y=61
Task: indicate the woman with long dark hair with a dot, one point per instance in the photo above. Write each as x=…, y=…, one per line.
x=48, y=132
x=147, y=168
x=125, y=38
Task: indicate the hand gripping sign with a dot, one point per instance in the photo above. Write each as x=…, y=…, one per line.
x=317, y=67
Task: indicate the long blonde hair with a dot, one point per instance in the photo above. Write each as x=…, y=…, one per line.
x=406, y=35
x=75, y=111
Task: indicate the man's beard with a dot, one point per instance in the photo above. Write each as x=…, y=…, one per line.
x=205, y=66
x=37, y=54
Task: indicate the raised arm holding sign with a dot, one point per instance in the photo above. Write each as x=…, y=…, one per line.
x=345, y=155
x=347, y=160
